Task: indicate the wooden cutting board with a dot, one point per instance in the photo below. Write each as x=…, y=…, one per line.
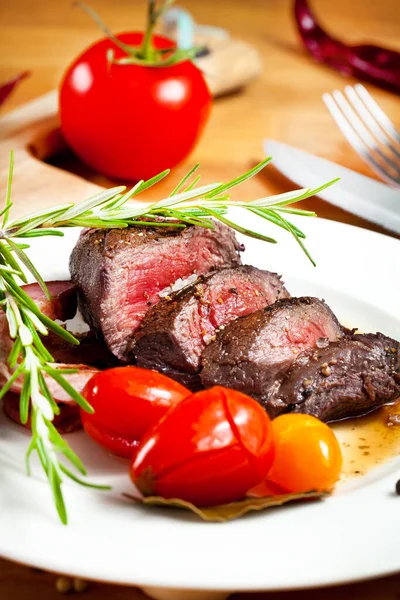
x=32, y=132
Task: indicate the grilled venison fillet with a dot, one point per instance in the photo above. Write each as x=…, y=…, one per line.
x=175, y=331
x=353, y=376
x=253, y=353
x=120, y=272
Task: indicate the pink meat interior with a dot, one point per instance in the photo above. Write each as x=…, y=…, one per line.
x=135, y=286
x=216, y=305
x=286, y=338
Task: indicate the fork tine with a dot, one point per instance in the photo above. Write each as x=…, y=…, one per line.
x=369, y=120
x=359, y=137
x=354, y=140
x=378, y=113
x=360, y=128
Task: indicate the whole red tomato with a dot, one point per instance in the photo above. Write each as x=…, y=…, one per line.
x=127, y=401
x=210, y=449
x=130, y=121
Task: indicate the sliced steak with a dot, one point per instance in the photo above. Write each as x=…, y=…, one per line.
x=78, y=380
x=64, y=299
x=120, y=272
x=66, y=421
x=175, y=331
x=62, y=306
x=69, y=417
x=348, y=378
x=253, y=353
x=91, y=351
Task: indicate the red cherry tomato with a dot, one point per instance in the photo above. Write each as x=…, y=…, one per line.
x=127, y=402
x=210, y=449
x=307, y=454
x=128, y=121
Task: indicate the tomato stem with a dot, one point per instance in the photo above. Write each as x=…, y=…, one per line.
x=147, y=50
x=145, y=54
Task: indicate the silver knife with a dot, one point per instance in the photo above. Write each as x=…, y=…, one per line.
x=356, y=193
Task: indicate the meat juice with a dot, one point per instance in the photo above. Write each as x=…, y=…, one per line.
x=368, y=441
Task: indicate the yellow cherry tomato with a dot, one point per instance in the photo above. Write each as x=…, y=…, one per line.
x=307, y=454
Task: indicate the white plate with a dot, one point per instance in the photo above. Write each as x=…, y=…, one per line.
x=354, y=534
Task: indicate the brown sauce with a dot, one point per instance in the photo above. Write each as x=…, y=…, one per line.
x=368, y=441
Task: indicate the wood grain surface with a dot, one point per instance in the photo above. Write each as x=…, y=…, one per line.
x=285, y=104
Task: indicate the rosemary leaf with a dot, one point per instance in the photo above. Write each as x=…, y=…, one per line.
x=11, y=261
x=295, y=211
x=182, y=216
x=98, y=223
x=115, y=203
x=41, y=348
x=182, y=197
x=193, y=184
x=40, y=449
x=9, y=383
x=24, y=398
x=95, y=486
x=33, y=320
x=41, y=215
x=40, y=233
x=62, y=446
x=148, y=184
x=308, y=193
x=13, y=356
x=26, y=261
x=95, y=201
x=12, y=321
x=153, y=223
x=71, y=391
x=57, y=329
x=8, y=204
x=280, y=199
x=240, y=179
x=46, y=393
x=184, y=180
x=7, y=269
x=269, y=215
x=298, y=240
x=240, y=229
x=31, y=448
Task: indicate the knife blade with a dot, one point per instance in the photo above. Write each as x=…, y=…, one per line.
x=356, y=193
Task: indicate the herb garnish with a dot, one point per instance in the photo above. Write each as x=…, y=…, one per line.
x=29, y=359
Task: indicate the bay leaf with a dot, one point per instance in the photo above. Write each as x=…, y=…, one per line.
x=233, y=510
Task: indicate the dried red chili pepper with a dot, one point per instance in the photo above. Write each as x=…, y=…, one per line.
x=377, y=65
x=7, y=88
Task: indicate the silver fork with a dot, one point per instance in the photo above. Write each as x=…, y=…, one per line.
x=368, y=130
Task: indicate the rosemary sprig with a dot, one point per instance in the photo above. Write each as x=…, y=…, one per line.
x=29, y=361
x=117, y=208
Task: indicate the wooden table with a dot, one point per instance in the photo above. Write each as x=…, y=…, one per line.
x=285, y=104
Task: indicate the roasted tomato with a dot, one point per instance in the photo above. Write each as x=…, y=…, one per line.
x=127, y=402
x=307, y=454
x=208, y=450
